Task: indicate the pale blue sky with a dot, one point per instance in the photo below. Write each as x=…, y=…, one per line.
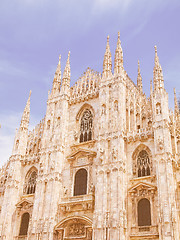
x=34, y=32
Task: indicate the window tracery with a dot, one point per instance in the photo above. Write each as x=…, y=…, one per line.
x=30, y=185
x=86, y=126
x=143, y=164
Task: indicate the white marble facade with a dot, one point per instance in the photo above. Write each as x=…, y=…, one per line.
x=104, y=163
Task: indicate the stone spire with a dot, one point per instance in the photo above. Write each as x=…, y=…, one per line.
x=26, y=114
x=158, y=75
x=57, y=78
x=20, y=141
x=107, y=63
x=176, y=108
x=139, y=79
x=118, y=60
x=67, y=72
x=151, y=90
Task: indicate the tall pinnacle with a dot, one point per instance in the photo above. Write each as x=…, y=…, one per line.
x=107, y=63
x=26, y=115
x=176, y=108
x=139, y=79
x=67, y=72
x=57, y=77
x=118, y=60
x=151, y=90
x=158, y=75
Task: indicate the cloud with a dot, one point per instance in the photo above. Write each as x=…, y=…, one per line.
x=103, y=5
x=9, y=68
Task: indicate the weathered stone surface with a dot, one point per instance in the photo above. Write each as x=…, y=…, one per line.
x=127, y=145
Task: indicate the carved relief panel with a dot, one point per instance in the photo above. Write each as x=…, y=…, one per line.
x=75, y=228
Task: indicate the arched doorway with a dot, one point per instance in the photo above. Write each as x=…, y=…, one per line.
x=74, y=228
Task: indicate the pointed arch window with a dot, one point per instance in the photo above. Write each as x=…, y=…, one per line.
x=144, y=212
x=30, y=185
x=24, y=224
x=80, y=183
x=86, y=126
x=143, y=164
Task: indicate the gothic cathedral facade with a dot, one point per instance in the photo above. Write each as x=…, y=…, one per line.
x=104, y=163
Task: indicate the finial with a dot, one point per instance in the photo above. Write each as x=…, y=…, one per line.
x=118, y=60
x=155, y=47
x=158, y=75
x=138, y=66
x=107, y=63
x=30, y=93
x=66, y=74
x=59, y=58
x=174, y=91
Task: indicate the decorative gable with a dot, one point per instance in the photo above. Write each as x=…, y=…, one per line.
x=142, y=189
x=24, y=206
x=81, y=157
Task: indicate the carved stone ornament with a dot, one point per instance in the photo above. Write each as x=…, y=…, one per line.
x=142, y=190
x=160, y=144
x=76, y=230
x=24, y=205
x=82, y=155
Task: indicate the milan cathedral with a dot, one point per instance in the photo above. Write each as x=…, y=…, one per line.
x=104, y=163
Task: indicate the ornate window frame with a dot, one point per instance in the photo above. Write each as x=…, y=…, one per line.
x=79, y=116
x=24, y=206
x=138, y=192
x=27, y=179
x=135, y=155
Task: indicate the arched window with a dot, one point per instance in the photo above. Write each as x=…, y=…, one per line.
x=24, y=225
x=30, y=185
x=143, y=164
x=80, y=183
x=144, y=212
x=86, y=126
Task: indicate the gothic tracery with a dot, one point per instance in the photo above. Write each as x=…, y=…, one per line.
x=86, y=126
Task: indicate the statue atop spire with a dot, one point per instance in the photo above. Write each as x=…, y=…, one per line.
x=57, y=78
x=118, y=60
x=139, y=79
x=26, y=114
x=67, y=72
x=107, y=63
x=158, y=75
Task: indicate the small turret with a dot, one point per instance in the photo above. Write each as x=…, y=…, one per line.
x=118, y=60
x=139, y=79
x=107, y=63
x=158, y=74
x=57, y=78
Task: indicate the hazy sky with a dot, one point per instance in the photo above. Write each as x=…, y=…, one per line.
x=34, y=32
